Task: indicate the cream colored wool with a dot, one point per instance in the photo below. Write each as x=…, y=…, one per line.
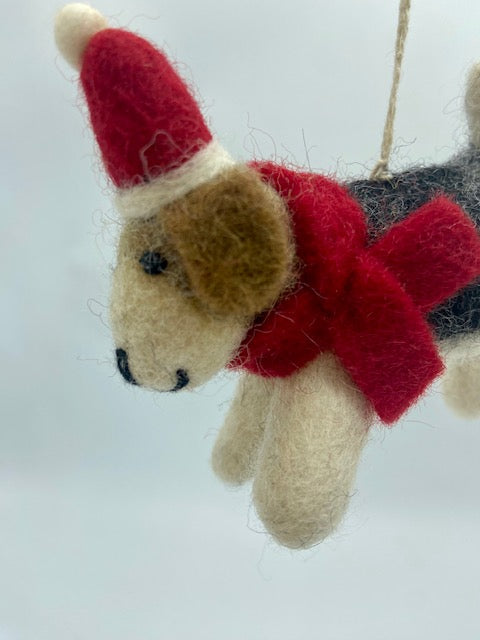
x=472, y=104
x=461, y=382
x=228, y=257
x=234, y=455
x=144, y=200
x=75, y=24
x=461, y=388
x=314, y=436
x=158, y=322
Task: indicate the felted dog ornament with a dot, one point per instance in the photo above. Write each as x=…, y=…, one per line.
x=339, y=304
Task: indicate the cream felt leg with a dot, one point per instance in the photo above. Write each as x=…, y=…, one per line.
x=461, y=382
x=315, y=432
x=235, y=451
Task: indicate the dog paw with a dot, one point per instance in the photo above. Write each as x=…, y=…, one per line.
x=296, y=522
x=231, y=465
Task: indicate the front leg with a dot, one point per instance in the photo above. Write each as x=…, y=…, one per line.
x=235, y=452
x=315, y=432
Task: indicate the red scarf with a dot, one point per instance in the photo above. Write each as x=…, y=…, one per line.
x=367, y=304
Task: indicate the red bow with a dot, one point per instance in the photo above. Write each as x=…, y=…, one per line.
x=367, y=304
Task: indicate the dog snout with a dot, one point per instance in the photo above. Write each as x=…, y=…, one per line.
x=182, y=377
x=122, y=363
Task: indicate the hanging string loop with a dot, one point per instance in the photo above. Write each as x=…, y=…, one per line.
x=381, y=171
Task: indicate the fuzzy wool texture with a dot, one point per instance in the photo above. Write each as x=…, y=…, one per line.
x=75, y=24
x=461, y=388
x=388, y=202
x=365, y=303
x=328, y=228
x=461, y=382
x=235, y=453
x=314, y=435
x=234, y=238
x=145, y=200
x=157, y=321
x=145, y=118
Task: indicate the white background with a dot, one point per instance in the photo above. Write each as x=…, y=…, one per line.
x=112, y=526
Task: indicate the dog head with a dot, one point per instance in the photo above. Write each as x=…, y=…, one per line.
x=206, y=244
x=190, y=279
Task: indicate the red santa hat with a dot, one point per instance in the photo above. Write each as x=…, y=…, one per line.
x=154, y=141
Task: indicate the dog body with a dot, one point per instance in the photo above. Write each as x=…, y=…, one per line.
x=300, y=437
x=390, y=201
x=333, y=300
x=298, y=434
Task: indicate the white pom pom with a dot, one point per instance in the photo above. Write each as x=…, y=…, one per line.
x=75, y=24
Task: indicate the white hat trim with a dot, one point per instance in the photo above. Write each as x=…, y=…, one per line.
x=144, y=200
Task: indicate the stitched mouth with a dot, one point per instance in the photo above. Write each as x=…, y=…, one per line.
x=182, y=380
x=122, y=363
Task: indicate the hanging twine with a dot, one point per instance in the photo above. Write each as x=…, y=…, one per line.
x=380, y=171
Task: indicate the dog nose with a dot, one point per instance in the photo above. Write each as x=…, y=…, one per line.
x=122, y=363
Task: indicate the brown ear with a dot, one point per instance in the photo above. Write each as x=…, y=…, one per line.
x=233, y=236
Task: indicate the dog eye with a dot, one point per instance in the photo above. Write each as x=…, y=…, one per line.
x=153, y=263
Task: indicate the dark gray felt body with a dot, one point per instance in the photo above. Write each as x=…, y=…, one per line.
x=388, y=201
